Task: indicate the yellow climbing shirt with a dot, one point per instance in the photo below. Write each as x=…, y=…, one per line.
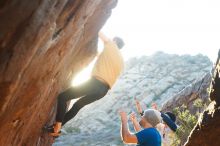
x=109, y=64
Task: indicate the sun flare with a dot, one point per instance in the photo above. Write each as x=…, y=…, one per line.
x=83, y=75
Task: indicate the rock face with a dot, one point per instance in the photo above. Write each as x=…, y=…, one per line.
x=207, y=130
x=194, y=98
x=43, y=43
x=155, y=78
x=196, y=90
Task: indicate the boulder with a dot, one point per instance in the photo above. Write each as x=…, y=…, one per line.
x=207, y=130
x=43, y=44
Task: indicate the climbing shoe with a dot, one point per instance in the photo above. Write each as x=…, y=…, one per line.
x=50, y=130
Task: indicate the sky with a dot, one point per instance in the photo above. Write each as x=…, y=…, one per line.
x=171, y=26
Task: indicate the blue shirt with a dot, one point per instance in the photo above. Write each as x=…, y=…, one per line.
x=148, y=137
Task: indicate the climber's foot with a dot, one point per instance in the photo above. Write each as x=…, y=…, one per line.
x=55, y=134
x=51, y=131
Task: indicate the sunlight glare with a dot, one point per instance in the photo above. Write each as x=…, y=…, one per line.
x=83, y=75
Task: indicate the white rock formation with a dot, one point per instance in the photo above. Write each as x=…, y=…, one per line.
x=155, y=78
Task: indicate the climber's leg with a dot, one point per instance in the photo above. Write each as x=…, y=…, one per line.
x=101, y=91
x=92, y=87
x=63, y=98
x=72, y=93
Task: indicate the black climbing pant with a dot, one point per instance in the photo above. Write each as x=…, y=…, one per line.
x=87, y=93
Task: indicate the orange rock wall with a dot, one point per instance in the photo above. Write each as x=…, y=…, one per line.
x=43, y=43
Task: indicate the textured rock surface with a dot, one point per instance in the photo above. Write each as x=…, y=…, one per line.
x=194, y=95
x=207, y=131
x=158, y=78
x=196, y=90
x=43, y=43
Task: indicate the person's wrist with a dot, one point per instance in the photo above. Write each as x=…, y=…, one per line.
x=124, y=118
x=124, y=121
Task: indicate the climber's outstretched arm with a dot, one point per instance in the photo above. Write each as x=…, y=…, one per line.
x=103, y=37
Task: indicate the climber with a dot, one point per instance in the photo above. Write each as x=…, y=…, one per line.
x=148, y=136
x=106, y=70
x=167, y=128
